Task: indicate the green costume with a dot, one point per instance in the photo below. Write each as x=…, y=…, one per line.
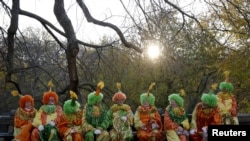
x=95, y=117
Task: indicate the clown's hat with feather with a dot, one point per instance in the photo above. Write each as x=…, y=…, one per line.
x=209, y=98
x=148, y=97
x=178, y=98
x=96, y=96
x=119, y=96
x=50, y=94
x=72, y=105
x=23, y=99
x=226, y=85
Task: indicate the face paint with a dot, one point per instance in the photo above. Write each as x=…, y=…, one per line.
x=51, y=101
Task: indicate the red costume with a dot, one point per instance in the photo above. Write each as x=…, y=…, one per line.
x=202, y=117
x=23, y=118
x=147, y=119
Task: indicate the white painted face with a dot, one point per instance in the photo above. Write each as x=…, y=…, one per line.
x=145, y=103
x=173, y=104
x=120, y=101
x=28, y=106
x=51, y=101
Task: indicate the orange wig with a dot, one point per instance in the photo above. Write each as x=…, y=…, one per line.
x=49, y=94
x=119, y=96
x=25, y=98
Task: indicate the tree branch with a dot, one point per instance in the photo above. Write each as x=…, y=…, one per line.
x=105, y=24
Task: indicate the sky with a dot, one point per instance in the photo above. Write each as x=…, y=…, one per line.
x=99, y=9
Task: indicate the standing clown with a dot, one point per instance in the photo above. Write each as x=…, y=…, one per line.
x=227, y=102
x=95, y=119
x=147, y=119
x=176, y=122
x=24, y=116
x=122, y=117
x=47, y=118
x=70, y=127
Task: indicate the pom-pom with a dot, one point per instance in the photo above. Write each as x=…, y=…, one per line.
x=182, y=93
x=226, y=73
x=150, y=87
x=119, y=85
x=100, y=86
x=214, y=86
x=73, y=95
x=15, y=93
x=50, y=85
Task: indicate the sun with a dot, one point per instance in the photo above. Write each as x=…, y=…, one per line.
x=153, y=51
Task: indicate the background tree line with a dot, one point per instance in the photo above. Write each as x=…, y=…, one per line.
x=195, y=51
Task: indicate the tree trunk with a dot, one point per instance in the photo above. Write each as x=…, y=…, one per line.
x=11, y=39
x=72, y=45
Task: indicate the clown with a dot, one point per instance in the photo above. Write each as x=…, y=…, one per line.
x=122, y=117
x=70, y=127
x=47, y=118
x=227, y=102
x=95, y=119
x=147, y=119
x=176, y=121
x=23, y=117
x=205, y=113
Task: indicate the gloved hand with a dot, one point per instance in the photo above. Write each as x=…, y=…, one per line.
x=124, y=118
x=97, y=131
x=179, y=128
x=154, y=126
x=52, y=123
x=193, y=131
x=72, y=130
x=143, y=127
x=185, y=132
x=204, y=129
x=40, y=127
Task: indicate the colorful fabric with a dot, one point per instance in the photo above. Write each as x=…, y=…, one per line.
x=71, y=122
x=22, y=124
x=43, y=118
x=95, y=117
x=228, y=108
x=121, y=130
x=202, y=117
x=172, y=120
x=144, y=118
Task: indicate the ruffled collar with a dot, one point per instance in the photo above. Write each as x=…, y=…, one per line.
x=225, y=96
x=144, y=109
x=117, y=107
x=26, y=114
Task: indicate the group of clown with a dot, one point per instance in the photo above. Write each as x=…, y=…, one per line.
x=97, y=122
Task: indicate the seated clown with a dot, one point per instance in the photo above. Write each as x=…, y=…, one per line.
x=176, y=123
x=147, y=119
x=47, y=118
x=95, y=121
x=205, y=113
x=122, y=118
x=23, y=117
x=70, y=126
